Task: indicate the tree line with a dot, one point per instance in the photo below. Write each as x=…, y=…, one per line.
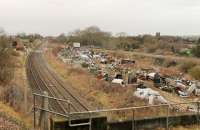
x=94, y=36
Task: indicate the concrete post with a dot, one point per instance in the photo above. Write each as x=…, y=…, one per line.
x=167, y=118
x=34, y=114
x=198, y=109
x=133, y=119
x=44, y=117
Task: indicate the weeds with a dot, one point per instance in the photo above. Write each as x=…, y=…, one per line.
x=195, y=72
x=186, y=66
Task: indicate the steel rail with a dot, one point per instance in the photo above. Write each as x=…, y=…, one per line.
x=39, y=83
x=61, y=84
x=59, y=93
x=40, y=75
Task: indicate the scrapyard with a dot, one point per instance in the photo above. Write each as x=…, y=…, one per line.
x=149, y=84
x=99, y=65
x=114, y=87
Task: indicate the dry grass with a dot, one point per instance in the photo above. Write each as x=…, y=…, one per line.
x=99, y=93
x=195, y=72
x=8, y=113
x=16, y=110
x=86, y=84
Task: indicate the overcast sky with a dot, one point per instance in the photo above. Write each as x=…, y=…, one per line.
x=52, y=17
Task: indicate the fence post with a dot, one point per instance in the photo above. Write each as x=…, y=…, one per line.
x=34, y=116
x=133, y=120
x=44, y=120
x=46, y=115
x=167, y=118
x=198, y=107
x=69, y=106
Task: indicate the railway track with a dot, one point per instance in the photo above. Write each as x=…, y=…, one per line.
x=43, y=78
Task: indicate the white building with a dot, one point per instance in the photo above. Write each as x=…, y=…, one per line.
x=76, y=45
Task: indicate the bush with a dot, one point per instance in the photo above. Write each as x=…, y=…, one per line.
x=159, y=61
x=127, y=46
x=6, y=74
x=152, y=46
x=186, y=66
x=13, y=95
x=84, y=65
x=196, y=51
x=195, y=72
x=6, y=60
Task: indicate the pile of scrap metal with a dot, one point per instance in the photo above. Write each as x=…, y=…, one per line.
x=126, y=63
x=145, y=73
x=153, y=97
x=183, y=88
x=103, y=65
x=75, y=56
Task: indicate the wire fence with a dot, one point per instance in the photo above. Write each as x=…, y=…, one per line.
x=164, y=116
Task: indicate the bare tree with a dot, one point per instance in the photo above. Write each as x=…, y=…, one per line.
x=90, y=36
